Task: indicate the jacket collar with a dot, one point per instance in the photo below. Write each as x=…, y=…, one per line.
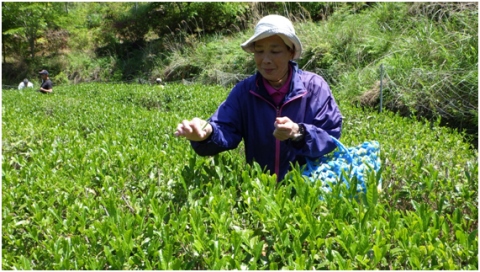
x=296, y=84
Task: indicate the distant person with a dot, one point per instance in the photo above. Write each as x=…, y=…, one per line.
x=159, y=82
x=25, y=84
x=283, y=114
x=47, y=85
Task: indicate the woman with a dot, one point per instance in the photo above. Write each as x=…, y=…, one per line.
x=282, y=113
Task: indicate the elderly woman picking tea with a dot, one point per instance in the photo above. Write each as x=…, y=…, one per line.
x=282, y=113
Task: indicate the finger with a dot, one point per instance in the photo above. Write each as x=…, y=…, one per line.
x=196, y=121
x=197, y=128
x=179, y=130
x=280, y=135
x=185, y=127
x=287, y=126
x=284, y=127
x=282, y=120
x=278, y=122
x=192, y=130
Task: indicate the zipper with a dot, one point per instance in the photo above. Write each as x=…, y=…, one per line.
x=278, y=110
x=277, y=148
x=277, y=142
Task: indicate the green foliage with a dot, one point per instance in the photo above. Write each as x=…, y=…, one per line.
x=432, y=73
x=162, y=18
x=26, y=22
x=430, y=63
x=93, y=178
x=220, y=16
x=60, y=79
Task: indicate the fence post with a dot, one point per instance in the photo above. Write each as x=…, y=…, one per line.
x=381, y=88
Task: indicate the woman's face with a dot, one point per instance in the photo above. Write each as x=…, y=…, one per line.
x=271, y=57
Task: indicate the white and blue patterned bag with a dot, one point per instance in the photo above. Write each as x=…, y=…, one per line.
x=355, y=161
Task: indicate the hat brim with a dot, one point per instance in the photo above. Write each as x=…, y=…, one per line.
x=248, y=46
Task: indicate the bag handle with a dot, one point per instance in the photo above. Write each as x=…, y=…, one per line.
x=342, y=148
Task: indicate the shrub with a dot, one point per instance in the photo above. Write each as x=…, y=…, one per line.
x=93, y=178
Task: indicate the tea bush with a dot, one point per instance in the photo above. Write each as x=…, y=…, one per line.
x=93, y=178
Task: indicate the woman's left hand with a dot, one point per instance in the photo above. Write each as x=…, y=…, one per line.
x=285, y=128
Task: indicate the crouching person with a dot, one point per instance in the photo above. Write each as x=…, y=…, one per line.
x=25, y=84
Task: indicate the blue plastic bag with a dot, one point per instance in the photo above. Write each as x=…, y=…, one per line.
x=355, y=161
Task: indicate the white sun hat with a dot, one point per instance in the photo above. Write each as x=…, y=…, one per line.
x=274, y=25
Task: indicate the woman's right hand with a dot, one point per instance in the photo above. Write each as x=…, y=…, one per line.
x=194, y=130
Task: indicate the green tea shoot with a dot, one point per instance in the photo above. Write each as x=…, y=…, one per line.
x=93, y=178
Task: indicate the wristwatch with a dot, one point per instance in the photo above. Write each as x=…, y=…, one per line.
x=300, y=134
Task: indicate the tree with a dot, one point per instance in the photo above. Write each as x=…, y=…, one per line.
x=26, y=21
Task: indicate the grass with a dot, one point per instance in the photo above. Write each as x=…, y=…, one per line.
x=93, y=178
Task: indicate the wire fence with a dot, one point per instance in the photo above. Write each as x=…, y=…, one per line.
x=450, y=95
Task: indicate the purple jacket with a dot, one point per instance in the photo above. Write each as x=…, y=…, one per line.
x=249, y=113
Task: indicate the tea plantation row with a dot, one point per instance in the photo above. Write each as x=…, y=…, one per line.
x=92, y=178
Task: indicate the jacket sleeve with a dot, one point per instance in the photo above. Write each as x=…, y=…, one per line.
x=226, y=124
x=326, y=122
